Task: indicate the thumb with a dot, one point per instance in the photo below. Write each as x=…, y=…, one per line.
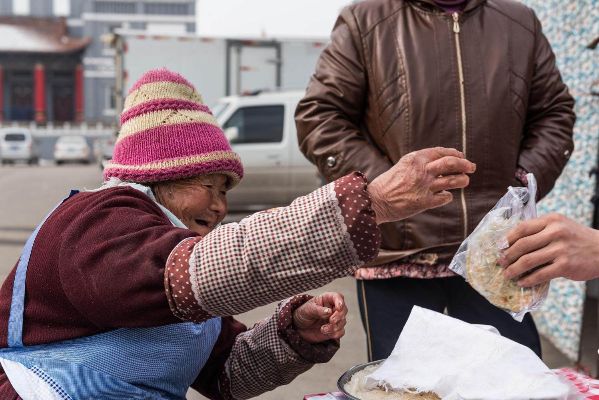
x=310, y=312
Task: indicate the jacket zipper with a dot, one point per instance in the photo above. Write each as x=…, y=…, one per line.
x=458, y=49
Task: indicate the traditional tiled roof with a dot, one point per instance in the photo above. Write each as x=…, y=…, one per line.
x=38, y=35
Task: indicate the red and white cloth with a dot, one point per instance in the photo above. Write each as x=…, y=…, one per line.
x=584, y=384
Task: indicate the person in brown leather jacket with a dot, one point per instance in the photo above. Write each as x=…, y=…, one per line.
x=402, y=75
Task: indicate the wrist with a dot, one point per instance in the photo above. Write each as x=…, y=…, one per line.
x=376, y=203
x=288, y=311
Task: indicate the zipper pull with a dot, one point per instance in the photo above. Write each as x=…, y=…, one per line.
x=456, y=24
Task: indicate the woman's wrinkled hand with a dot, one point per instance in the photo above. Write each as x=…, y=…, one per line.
x=321, y=318
x=420, y=180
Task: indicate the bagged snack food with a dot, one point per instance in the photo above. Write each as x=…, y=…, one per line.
x=477, y=258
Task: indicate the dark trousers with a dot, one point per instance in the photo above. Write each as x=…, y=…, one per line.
x=385, y=306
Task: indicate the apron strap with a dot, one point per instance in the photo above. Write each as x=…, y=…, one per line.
x=17, y=306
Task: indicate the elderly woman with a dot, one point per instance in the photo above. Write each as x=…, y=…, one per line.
x=127, y=291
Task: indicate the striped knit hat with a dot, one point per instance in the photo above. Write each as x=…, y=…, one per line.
x=167, y=133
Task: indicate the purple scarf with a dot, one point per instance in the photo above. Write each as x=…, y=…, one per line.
x=451, y=5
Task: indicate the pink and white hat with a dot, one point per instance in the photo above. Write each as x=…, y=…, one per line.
x=168, y=133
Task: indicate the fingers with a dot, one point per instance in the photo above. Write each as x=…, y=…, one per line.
x=525, y=246
x=440, y=152
x=335, y=329
x=450, y=165
x=336, y=335
x=526, y=228
x=333, y=300
x=542, y=275
x=450, y=182
x=310, y=312
x=531, y=261
x=318, y=312
x=335, y=326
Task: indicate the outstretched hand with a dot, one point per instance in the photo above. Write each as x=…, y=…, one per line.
x=420, y=180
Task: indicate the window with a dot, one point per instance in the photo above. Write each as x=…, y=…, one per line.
x=111, y=28
x=21, y=7
x=219, y=109
x=167, y=8
x=61, y=7
x=109, y=98
x=114, y=7
x=14, y=137
x=166, y=29
x=112, y=101
x=258, y=124
x=62, y=74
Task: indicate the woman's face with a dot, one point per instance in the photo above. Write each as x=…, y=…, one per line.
x=200, y=202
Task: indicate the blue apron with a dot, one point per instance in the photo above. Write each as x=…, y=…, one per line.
x=132, y=363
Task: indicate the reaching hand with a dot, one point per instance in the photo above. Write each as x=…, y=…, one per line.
x=321, y=318
x=549, y=247
x=419, y=181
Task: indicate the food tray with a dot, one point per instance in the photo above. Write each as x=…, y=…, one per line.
x=346, y=377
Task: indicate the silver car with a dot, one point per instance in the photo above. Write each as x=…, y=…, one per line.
x=18, y=145
x=72, y=149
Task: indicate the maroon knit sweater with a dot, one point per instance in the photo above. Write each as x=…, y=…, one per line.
x=82, y=268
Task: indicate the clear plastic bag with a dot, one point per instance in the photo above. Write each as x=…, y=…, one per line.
x=477, y=258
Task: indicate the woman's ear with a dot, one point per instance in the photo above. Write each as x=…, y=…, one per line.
x=161, y=193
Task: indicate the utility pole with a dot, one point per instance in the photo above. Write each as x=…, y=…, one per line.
x=116, y=42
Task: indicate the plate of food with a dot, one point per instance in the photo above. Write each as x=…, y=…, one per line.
x=352, y=385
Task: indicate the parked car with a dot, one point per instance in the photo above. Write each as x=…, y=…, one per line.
x=71, y=149
x=261, y=129
x=18, y=145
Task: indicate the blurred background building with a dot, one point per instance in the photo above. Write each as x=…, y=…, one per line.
x=51, y=54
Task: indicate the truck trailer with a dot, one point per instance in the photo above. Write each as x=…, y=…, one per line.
x=218, y=67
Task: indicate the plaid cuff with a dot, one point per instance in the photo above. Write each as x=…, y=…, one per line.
x=177, y=283
x=358, y=216
x=314, y=353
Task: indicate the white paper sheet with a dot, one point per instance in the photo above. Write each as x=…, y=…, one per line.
x=460, y=361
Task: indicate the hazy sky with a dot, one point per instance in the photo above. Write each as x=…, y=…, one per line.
x=272, y=18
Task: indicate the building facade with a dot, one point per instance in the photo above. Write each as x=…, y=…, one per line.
x=92, y=65
x=41, y=71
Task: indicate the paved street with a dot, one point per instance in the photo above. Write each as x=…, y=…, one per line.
x=26, y=195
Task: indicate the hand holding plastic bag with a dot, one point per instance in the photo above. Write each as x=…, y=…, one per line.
x=477, y=258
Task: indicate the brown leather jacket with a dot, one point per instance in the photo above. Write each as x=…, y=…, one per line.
x=389, y=83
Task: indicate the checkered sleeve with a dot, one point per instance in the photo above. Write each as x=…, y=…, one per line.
x=276, y=254
x=262, y=359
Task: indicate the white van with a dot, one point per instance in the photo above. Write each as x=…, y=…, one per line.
x=17, y=144
x=261, y=129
